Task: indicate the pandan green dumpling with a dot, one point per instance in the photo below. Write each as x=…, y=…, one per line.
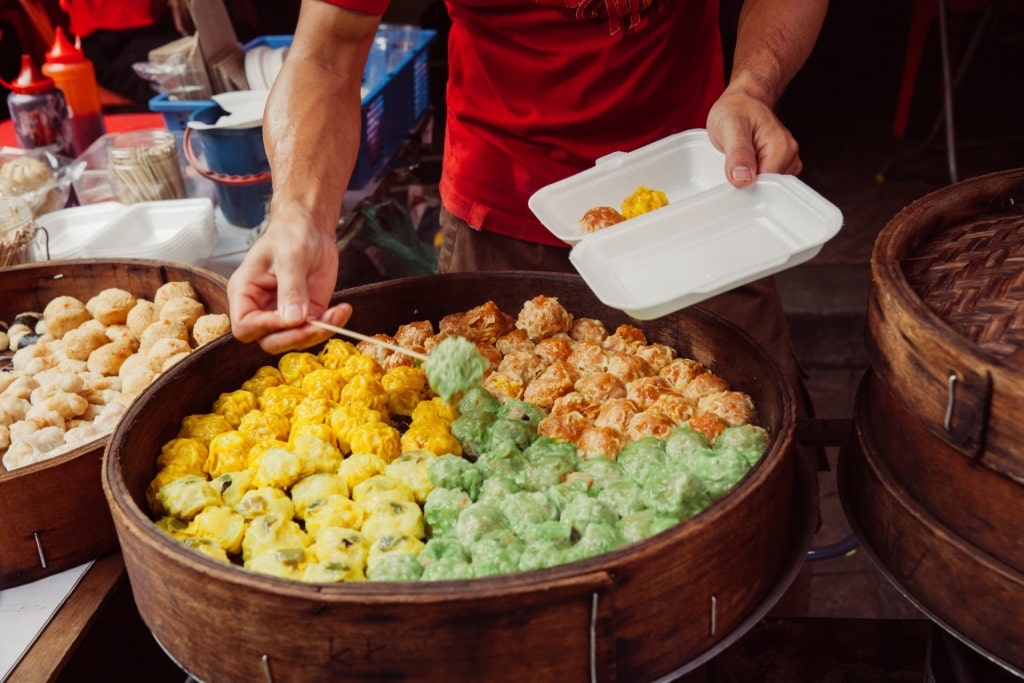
x=542, y=554
x=750, y=440
x=639, y=458
x=602, y=472
x=625, y=496
x=644, y=524
x=497, y=552
x=522, y=411
x=675, y=493
x=396, y=567
x=504, y=434
x=583, y=511
x=442, y=508
x=478, y=400
x=718, y=470
x=598, y=538
x=438, y=548
x=495, y=489
x=448, y=569
x=478, y=520
x=683, y=441
x=552, y=531
x=501, y=462
x=527, y=508
x=471, y=431
x=550, y=469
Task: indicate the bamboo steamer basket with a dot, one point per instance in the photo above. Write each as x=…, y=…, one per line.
x=653, y=610
x=54, y=514
x=940, y=443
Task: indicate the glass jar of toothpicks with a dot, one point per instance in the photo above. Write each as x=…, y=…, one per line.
x=21, y=239
x=144, y=165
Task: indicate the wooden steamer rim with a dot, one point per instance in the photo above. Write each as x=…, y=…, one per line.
x=54, y=513
x=971, y=238
x=650, y=611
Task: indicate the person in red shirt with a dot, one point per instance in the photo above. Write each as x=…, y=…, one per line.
x=538, y=89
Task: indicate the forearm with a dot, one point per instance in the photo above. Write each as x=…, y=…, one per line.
x=774, y=39
x=312, y=123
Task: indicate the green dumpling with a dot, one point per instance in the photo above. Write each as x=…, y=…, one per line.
x=750, y=440
x=718, y=470
x=582, y=511
x=639, y=458
x=453, y=367
x=624, y=496
x=455, y=472
x=527, y=508
x=396, y=567
x=552, y=531
x=449, y=568
x=501, y=462
x=478, y=520
x=497, y=552
x=439, y=548
x=522, y=411
x=496, y=488
x=548, y=465
x=644, y=524
x=478, y=400
x=542, y=554
x=602, y=471
x=675, y=493
x=442, y=508
x=683, y=441
x=504, y=434
x=597, y=539
x=471, y=430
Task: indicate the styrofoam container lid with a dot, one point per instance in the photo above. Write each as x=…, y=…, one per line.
x=709, y=239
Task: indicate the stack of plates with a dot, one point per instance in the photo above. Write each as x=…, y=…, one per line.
x=181, y=230
x=262, y=64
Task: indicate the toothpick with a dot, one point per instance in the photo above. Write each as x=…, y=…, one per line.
x=366, y=338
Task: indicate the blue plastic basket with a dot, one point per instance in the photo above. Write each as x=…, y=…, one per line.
x=390, y=110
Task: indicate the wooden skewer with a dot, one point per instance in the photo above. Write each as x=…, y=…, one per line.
x=366, y=338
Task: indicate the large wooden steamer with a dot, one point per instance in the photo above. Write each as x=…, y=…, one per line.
x=652, y=610
x=934, y=480
x=53, y=514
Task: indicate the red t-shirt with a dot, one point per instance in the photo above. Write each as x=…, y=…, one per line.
x=87, y=16
x=538, y=90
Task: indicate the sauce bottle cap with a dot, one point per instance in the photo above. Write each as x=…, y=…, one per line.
x=30, y=80
x=63, y=50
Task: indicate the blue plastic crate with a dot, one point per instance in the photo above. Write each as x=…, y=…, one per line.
x=390, y=110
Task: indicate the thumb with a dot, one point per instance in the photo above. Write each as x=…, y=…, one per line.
x=292, y=299
x=740, y=165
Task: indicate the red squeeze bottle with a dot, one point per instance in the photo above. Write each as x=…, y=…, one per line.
x=39, y=111
x=75, y=75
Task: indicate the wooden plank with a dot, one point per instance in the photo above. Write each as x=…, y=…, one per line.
x=55, y=645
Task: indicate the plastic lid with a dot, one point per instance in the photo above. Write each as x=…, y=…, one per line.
x=30, y=80
x=63, y=50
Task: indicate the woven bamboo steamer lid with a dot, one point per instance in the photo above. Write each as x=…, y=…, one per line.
x=54, y=513
x=654, y=609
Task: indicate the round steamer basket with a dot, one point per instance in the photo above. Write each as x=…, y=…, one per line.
x=54, y=514
x=650, y=611
x=935, y=481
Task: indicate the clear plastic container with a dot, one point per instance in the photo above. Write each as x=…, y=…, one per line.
x=145, y=166
x=21, y=239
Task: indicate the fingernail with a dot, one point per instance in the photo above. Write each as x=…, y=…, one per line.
x=741, y=173
x=292, y=314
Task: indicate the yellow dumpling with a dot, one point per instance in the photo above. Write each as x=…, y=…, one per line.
x=261, y=425
x=359, y=467
x=360, y=365
x=234, y=485
x=186, y=497
x=229, y=452
x=323, y=383
x=406, y=387
x=318, y=454
x=366, y=391
x=308, y=490
x=435, y=408
x=313, y=410
x=234, y=405
x=172, y=526
x=269, y=533
x=430, y=435
x=379, y=490
x=208, y=547
x=334, y=510
x=331, y=571
x=259, y=502
x=281, y=400
x=264, y=377
x=376, y=437
x=335, y=352
x=642, y=200
x=345, y=418
x=278, y=468
x=341, y=544
x=183, y=454
x=295, y=364
x=411, y=471
x=203, y=427
x=396, y=518
x=220, y=524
